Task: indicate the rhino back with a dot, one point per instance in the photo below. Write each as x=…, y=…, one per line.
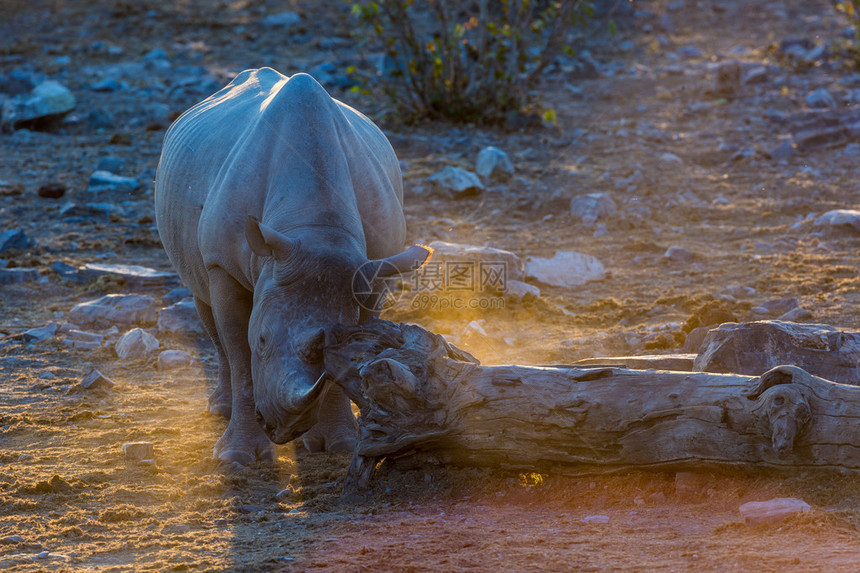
x=279, y=149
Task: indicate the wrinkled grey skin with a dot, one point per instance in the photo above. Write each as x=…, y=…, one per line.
x=269, y=195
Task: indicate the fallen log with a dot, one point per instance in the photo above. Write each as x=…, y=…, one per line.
x=417, y=393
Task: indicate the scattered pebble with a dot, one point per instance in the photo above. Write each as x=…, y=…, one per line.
x=41, y=333
x=457, y=182
x=173, y=359
x=96, y=380
x=565, y=269
x=14, y=239
x=820, y=98
x=592, y=206
x=121, y=309
x=18, y=275
x=52, y=190
x=180, y=318
x=48, y=101
x=493, y=163
x=596, y=519
x=105, y=181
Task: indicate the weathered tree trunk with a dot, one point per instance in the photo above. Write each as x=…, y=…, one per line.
x=418, y=393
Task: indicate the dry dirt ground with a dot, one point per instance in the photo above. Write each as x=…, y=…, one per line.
x=68, y=492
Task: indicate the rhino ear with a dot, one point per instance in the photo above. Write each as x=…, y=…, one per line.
x=267, y=242
x=409, y=260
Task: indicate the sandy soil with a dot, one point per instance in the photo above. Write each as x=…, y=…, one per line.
x=77, y=504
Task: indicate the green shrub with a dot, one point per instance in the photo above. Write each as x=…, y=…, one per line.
x=472, y=61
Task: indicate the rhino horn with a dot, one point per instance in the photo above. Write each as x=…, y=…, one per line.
x=267, y=242
x=409, y=260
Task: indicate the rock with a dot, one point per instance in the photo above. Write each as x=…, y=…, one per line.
x=596, y=519
x=680, y=254
x=482, y=260
x=105, y=85
x=18, y=275
x=120, y=309
x=84, y=345
x=136, y=343
x=173, y=359
x=176, y=295
x=839, y=219
x=111, y=163
x=493, y=163
x=670, y=158
x=592, y=206
x=14, y=239
x=70, y=273
x=75, y=334
x=282, y=20
x=41, y=333
x=676, y=362
x=689, y=52
x=180, y=318
x=565, y=269
x=776, y=307
x=783, y=151
x=48, y=101
x=756, y=75
x=820, y=98
x=695, y=338
x=457, y=182
x=95, y=380
x=518, y=290
x=11, y=540
x=53, y=190
x=691, y=484
x=772, y=511
x=133, y=275
x=101, y=181
x=138, y=450
x=100, y=119
x=796, y=314
x=755, y=347
x=727, y=79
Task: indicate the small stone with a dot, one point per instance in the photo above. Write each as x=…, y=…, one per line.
x=820, y=98
x=136, y=343
x=783, y=151
x=457, y=182
x=95, y=380
x=679, y=254
x=43, y=554
x=155, y=54
x=592, y=206
x=565, y=269
x=180, y=318
x=847, y=219
x=11, y=539
x=493, y=163
x=251, y=508
x=596, y=519
x=53, y=190
x=48, y=101
x=138, y=450
x=775, y=307
x=111, y=163
x=519, y=291
x=173, y=359
x=670, y=158
x=102, y=181
x=689, y=52
x=106, y=85
x=796, y=314
x=176, y=295
x=772, y=511
x=100, y=119
x=282, y=20
x=81, y=344
x=121, y=309
x=14, y=239
x=756, y=75
x=74, y=334
x=41, y=333
x=727, y=81
x=18, y=275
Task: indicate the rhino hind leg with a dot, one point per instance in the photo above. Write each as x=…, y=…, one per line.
x=336, y=429
x=244, y=440
x=221, y=400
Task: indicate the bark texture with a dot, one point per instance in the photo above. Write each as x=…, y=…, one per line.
x=416, y=393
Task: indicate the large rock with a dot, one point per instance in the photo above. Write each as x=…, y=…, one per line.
x=490, y=268
x=119, y=309
x=49, y=100
x=180, y=318
x=134, y=276
x=457, y=182
x=755, y=347
x=136, y=343
x=565, y=269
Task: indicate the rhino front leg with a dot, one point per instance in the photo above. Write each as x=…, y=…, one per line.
x=244, y=440
x=221, y=400
x=336, y=429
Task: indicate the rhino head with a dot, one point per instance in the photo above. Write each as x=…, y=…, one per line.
x=303, y=290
